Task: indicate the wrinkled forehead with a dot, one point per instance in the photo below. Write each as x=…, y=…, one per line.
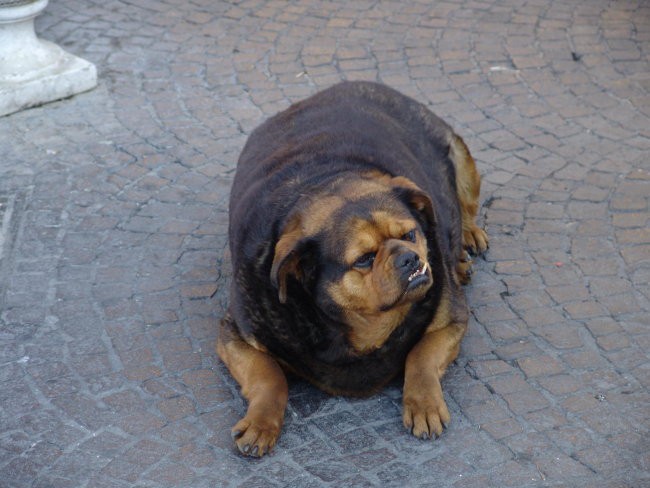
x=383, y=214
x=342, y=200
x=361, y=226
x=354, y=214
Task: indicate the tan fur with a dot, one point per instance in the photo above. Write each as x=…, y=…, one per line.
x=370, y=331
x=264, y=386
x=468, y=186
x=365, y=293
x=284, y=261
x=425, y=412
x=318, y=215
x=369, y=236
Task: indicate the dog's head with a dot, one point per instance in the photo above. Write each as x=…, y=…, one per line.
x=359, y=248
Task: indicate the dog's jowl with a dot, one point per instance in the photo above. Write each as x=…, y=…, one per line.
x=351, y=216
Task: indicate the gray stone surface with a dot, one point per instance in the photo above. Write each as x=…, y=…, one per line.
x=114, y=270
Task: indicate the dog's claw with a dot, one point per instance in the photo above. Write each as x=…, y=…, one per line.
x=236, y=434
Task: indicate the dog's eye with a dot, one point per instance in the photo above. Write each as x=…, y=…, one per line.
x=365, y=261
x=409, y=236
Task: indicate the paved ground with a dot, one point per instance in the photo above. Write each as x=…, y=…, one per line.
x=113, y=270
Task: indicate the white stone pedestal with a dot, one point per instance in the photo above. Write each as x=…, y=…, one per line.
x=33, y=71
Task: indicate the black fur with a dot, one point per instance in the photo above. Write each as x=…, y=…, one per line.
x=352, y=127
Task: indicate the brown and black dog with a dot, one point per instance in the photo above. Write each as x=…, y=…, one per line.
x=350, y=216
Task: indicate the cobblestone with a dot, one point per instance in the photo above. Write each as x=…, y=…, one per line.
x=114, y=264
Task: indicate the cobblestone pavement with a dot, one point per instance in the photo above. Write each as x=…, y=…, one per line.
x=113, y=269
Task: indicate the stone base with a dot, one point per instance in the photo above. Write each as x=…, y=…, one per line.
x=33, y=71
x=66, y=76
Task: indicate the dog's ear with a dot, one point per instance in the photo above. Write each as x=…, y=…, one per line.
x=415, y=197
x=287, y=256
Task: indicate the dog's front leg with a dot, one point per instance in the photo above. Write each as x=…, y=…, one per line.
x=264, y=386
x=425, y=411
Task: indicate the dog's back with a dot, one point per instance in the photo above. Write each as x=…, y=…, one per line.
x=364, y=123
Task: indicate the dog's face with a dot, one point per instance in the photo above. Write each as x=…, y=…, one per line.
x=359, y=248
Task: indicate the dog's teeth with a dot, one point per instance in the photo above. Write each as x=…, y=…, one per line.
x=418, y=272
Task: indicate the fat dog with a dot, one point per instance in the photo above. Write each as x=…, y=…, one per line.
x=351, y=215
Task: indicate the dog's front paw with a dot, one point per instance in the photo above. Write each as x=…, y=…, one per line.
x=256, y=436
x=425, y=412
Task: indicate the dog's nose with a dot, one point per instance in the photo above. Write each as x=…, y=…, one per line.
x=407, y=262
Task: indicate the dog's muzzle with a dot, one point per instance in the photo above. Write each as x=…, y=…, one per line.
x=412, y=271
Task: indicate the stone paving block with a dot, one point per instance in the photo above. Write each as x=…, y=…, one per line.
x=546, y=419
x=540, y=366
x=114, y=267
